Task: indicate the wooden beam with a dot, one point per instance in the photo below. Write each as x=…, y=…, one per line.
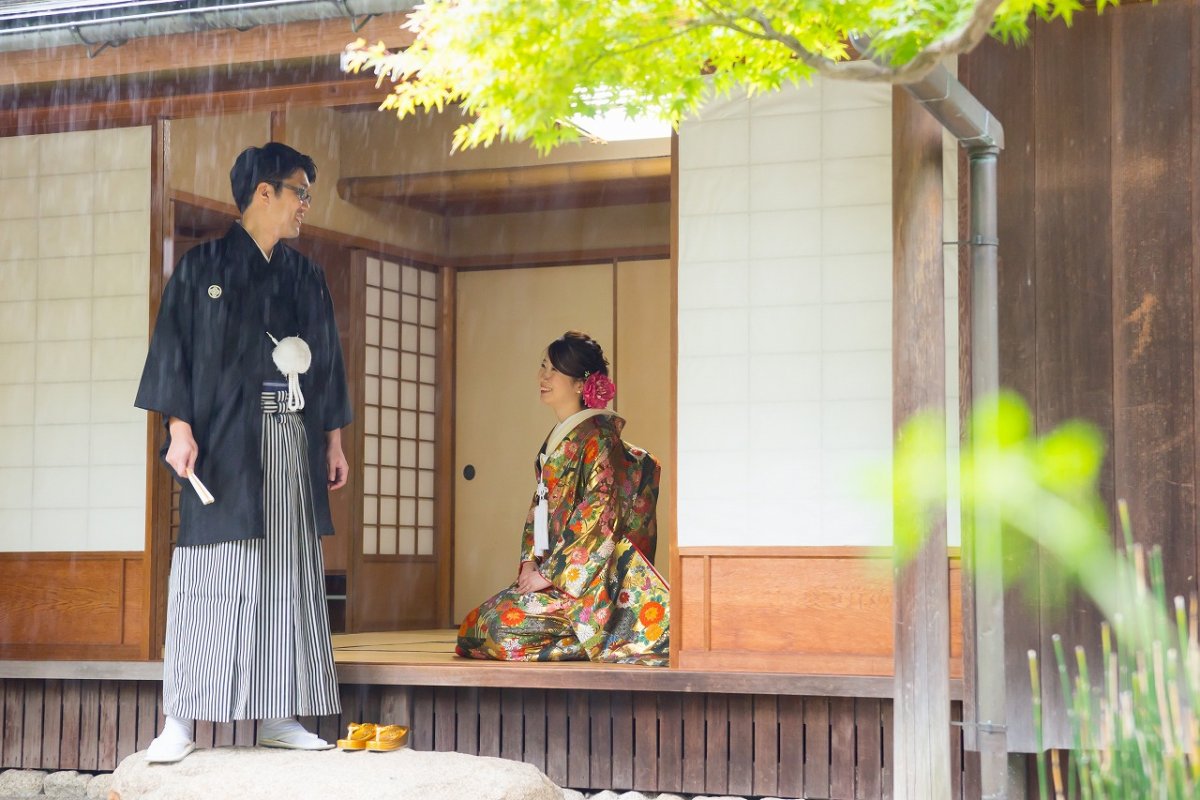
x=215, y=216
x=21, y=119
x=922, y=615
x=582, y=184
x=267, y=43
x=561, y=258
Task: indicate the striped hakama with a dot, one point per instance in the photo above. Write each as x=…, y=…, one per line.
x=247, y=625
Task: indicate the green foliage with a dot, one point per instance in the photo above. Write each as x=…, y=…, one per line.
x=1041, y=488
x=1135, y=730
x=520, y=69
x=1134, y=723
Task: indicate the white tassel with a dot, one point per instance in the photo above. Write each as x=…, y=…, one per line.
x=541, y=523
x=292, y=357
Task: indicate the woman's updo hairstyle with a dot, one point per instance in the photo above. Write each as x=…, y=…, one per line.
x=577, y=355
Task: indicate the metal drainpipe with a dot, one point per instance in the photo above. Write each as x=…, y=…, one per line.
x=983, y=137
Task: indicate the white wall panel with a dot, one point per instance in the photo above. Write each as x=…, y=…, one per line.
x=75, y=227
x=785, y=318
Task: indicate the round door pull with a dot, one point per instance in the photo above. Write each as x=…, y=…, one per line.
x=469, y=472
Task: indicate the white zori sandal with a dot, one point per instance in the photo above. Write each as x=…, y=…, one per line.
x=289, y=734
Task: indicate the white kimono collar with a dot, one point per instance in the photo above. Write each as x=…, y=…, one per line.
x=562, y=429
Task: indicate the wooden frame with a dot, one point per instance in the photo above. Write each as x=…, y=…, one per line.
x=101, y=616
x=921, y=611
x=276, y=44
x=81, y=106
x=447, y=345
x=673, y=466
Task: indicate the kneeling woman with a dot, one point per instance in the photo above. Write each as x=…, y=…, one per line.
x=586, y=589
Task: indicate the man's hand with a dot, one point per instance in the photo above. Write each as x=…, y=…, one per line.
x=182, y=452
x=335, y=459
x=530, y=580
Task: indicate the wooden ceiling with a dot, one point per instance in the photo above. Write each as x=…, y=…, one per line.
x=583, y=184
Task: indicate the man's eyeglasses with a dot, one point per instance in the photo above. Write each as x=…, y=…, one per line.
x=304, y=194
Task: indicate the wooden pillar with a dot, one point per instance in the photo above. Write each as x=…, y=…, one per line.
x=922, y=613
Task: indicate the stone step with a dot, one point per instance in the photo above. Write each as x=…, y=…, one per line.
x=257, y=773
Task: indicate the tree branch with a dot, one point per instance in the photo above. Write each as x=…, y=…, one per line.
x=962, y=40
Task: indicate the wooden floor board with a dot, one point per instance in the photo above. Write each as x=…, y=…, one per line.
x=147, y=723
x=841, y=748
x=716, y=745
x=106, y=755
x=761, y=745
x=695, y=738
x=445, y=712
x=868, y=738
x=670, y=743
x=244, y=733
x=622, y=741
x=816, y=747
x=205, y=732
x=512, y=725
x=533, y=713
x=887, y=773
x=395, y=706
x=645, y=741
x=68, y=751
x=766, y=745
x=601, y=768
x=421, y=733
x=466, y=715
x=89, y=724
x=791, y=746
x=489, y=722
x=741, y=744
x=557, y=737
x=126, y=719
x=579, y=739
x=31, y=729
x=51, y=723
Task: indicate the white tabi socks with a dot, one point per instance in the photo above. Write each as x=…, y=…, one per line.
x=173, y=744
x=290, y=735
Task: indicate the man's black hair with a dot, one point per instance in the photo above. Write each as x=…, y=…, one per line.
x=272, y=163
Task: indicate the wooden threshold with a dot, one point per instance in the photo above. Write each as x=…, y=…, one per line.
x=425, y=658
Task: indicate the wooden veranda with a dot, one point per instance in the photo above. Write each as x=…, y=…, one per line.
x=587, y=726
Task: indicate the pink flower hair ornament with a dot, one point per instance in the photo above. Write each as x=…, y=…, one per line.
x=598, y=390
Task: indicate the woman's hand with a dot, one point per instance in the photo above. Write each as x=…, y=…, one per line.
x=335, y=460
x=182, y=452
x=530, y=580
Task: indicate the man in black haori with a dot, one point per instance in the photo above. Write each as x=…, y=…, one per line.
x=246, y=369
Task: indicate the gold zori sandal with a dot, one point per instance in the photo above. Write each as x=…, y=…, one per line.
x=357, y=736
x=388, y=738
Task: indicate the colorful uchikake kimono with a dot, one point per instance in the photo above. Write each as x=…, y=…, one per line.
x=606, y=602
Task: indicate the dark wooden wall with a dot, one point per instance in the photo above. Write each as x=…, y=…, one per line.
x=1100, y=280
x=837, y=748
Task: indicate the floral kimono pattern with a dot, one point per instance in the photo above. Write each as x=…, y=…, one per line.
x=606, y=601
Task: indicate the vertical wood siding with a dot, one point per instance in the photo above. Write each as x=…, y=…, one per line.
x=1100, y=285
x=738, y=744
